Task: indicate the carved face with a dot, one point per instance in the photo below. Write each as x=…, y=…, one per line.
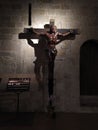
x=54, y=29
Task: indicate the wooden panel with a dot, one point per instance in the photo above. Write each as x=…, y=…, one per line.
x=0, y=80
x=89, y=68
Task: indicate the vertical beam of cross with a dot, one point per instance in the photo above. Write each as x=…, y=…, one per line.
x=29, y=15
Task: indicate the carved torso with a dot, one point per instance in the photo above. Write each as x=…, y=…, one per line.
x=52, y=40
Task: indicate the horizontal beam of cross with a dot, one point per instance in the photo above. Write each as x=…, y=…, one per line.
x=28, y=33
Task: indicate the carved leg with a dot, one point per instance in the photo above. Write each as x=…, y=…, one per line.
x=51, y=107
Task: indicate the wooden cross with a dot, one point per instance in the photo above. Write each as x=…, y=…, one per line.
x=28, y=32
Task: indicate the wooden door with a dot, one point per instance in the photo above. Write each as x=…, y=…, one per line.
x=89, y=68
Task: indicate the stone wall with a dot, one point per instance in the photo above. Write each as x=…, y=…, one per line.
x=16, y=56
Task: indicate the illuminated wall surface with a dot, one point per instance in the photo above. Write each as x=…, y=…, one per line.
x=16, y=56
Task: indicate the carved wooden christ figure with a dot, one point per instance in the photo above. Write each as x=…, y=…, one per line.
x=45, y=52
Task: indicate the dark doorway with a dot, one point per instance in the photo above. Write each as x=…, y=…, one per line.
x=89, y=68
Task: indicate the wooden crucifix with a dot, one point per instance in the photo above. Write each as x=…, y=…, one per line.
x=28, y=31
x=45, y=55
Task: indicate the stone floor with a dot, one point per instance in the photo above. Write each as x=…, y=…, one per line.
x=44, y=121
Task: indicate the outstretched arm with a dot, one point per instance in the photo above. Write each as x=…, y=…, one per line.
x=67, y=33
x=31, y=43
x=63, y=36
